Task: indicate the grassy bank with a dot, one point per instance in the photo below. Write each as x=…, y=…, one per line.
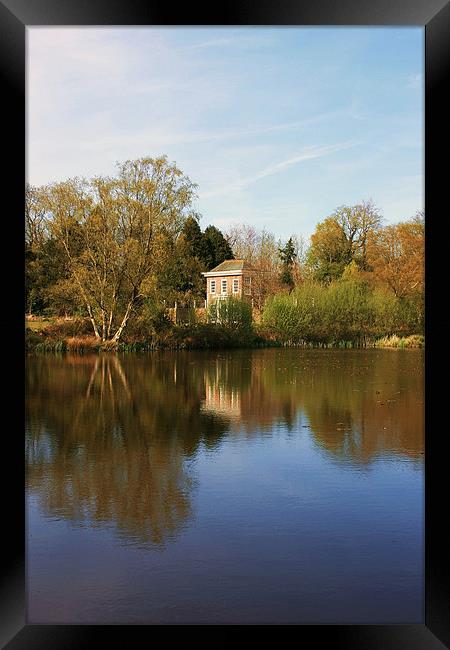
x=74, y=336
x=37, y=324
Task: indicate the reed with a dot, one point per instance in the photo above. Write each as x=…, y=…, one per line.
x=394, y=341
x=50, y=345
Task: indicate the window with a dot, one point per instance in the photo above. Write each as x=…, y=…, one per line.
x=212, y=286
x=247, y=286
x=235, y=285
x=224, y=286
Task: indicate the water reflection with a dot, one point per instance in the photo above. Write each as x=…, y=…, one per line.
x=113, y=441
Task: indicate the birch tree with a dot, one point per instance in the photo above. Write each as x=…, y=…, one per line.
x=122, y=221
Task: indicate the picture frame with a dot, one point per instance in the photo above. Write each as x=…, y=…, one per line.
x=434, y=16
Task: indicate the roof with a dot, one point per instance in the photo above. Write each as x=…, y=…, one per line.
x=232, y=265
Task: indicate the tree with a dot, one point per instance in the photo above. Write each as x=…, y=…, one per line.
x=396, y=254
x=328, y=254
x=35, y=233
x=245, y=241
x=180, y=278
x=260, y=249
x=342, y=238
x=124, y=222
x=45, y=259
x=357, y=223
x=288, y=256
x=35, y=217
x=218, y=249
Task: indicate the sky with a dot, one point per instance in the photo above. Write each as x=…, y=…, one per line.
x=277, y=126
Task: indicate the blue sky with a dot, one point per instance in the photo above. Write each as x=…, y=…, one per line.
x=277, y=126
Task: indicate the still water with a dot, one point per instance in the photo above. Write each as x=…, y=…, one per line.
x=278, y=485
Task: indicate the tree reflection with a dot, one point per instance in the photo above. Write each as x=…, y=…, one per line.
x=109, y=439
x=359, y=404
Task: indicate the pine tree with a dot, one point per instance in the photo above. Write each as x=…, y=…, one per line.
x=288, y=256
x=219, y=248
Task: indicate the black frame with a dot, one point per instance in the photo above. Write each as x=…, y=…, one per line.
x=434, y=15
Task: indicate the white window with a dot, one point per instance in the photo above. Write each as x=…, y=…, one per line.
x=224, y=286
x=212, y=286
x=248, y=286
x=235, y=286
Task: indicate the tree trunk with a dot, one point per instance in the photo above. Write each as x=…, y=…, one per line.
x=103, y=326
x=122, y=325
x=92, y=319
x=108, y=331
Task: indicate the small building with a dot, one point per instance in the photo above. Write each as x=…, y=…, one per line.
x=230, y=278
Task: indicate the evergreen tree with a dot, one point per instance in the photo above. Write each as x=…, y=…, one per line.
x=288, y=256
x=193, y=235
x=198, y=245
x=218, y=249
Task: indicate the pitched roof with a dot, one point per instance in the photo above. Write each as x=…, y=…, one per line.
x=233, y=265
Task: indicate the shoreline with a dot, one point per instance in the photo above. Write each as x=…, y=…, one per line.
x=44, y=343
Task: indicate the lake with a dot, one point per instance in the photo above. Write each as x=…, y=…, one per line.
x=244, y=486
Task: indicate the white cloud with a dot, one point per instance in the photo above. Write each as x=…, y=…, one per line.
x=309, y=153
x=227, y=108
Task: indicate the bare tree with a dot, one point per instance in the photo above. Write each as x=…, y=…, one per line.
x=260, y=249
x=35, y=216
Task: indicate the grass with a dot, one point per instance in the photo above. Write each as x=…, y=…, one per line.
x=75, y=335
x=38, y=324
x=81, y=344
x=394, y=341
x=51, y=346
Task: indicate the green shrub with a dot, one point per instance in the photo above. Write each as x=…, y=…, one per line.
x=346, y=311
x=32, y=339
x=152, y=320
x=234, y=314
x=62, y=328
x=297, y=317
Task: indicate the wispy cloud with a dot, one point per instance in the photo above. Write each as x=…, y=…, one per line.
x=166, y=134
x=309, y=153
x=231, y=106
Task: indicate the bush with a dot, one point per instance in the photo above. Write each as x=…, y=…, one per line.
x=345, y=311
x=234, y=314
x=151, y=321
x=32, y=339
x=213, y=335
x=297, y=317
x=63, y=328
